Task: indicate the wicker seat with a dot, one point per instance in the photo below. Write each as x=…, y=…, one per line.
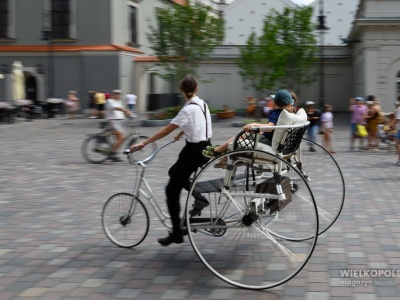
x=288, y=134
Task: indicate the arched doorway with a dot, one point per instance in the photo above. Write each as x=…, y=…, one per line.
x=31, y=87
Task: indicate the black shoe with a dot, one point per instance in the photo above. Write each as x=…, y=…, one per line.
x=114, y=157
x=200, y=202
x=170, y=239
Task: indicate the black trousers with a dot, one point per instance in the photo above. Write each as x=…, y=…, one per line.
x=190, y=158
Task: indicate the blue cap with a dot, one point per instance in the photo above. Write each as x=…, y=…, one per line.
x=283, y=98
x=360, y=99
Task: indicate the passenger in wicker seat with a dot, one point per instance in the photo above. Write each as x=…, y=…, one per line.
x=283, y=101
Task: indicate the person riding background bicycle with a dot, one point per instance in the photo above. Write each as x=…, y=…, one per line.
x=195, y=121
x=116, y=115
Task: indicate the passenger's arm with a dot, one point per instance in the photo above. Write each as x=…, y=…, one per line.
x=251, y=125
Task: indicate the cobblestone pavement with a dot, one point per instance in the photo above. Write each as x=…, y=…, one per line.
x=52, y=245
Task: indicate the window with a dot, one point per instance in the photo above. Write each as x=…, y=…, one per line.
x=60, y=18
x=4, y=19
x=133, y=24
x=398, y=84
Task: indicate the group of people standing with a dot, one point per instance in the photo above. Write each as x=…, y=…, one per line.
x=98, y=101
x=366, y=116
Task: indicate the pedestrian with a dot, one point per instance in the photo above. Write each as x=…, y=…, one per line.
x=92, y=105
x=397, y=139
x=327, y=123
x=313, y=116
x=373, y=121
x=101, y=101
x=107, y=95
x=194, y=119
x=358, y=114
x=251, y=105
x=72, y=104
x=116, y=115
x=130, y=99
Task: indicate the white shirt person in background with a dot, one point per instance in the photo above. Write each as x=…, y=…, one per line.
x=116, y=115
x=130, y=100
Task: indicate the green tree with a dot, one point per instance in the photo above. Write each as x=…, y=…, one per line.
x=185, y=36
x=284, y=53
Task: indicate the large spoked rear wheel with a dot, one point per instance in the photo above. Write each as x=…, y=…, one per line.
x=246, y=236
x=96, y=149
x=144, y=152
x=125, y=227
x=325, y=180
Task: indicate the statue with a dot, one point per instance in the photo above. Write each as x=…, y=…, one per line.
x=18, y=81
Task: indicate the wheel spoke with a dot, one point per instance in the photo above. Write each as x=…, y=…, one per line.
x=96, y=149
x=326, y=181
x=125, y=232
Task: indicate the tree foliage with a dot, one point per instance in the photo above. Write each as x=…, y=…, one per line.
x=185, y=36
x=284, y=53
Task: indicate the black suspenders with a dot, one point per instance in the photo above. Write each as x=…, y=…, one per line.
x=205, y=116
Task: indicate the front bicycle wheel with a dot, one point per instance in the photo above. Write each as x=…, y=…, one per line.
x=326, y=180
x=144, y=152
x=259, y=230
x=96, y=149
x=125, y=220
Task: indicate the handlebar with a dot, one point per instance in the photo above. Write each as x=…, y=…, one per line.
x=128, y=152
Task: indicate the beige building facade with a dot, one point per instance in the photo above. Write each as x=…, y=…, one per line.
x=375, y=45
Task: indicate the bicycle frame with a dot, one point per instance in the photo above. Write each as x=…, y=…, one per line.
x=107, y=132
x=147, y=193
x=146, y=190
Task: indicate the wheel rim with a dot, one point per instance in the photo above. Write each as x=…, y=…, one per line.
x=124, y=229
x=326, y=182
x=95, y=150
x=243, y=245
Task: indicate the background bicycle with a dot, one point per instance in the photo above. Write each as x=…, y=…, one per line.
x=96, y=148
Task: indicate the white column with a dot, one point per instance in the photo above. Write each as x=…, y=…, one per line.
x=370, y=71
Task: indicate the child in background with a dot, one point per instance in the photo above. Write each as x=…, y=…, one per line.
x=327, y=123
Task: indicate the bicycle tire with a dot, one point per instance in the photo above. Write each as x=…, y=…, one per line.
x=91, y=147
x=143, y=153
x=125, y=232
x=326, y=181
x=244, y=240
